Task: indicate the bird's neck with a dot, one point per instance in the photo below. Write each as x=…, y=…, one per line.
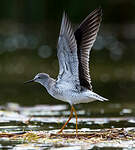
x=49, y=84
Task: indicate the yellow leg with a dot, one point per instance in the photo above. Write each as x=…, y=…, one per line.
x=76, y=120
x=71, y=115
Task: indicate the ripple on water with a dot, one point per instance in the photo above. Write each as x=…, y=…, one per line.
x=49, y=118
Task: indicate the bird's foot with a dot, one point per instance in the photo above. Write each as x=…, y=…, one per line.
x=59, y=132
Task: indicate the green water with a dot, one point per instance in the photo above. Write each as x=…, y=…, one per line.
x=19, y=102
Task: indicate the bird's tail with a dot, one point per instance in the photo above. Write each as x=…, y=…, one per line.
x=98, y=97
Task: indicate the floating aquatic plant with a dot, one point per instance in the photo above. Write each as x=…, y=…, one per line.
x=108, y=136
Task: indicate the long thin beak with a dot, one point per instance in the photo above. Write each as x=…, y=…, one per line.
x=29, y=81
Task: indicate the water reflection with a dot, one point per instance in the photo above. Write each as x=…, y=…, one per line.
x=59, y=113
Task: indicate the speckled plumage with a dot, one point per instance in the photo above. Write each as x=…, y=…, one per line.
x=73, y=84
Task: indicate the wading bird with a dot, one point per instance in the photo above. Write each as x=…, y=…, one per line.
x=73, y=84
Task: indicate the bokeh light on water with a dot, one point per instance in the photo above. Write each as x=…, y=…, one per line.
x=28, y=40
x=44, y=51
x=108, y=40
x=27, y=53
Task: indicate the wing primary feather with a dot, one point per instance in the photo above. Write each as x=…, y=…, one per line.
x=85, y=36
x=67, y=54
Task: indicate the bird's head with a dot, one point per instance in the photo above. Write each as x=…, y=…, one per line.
x=40, y=78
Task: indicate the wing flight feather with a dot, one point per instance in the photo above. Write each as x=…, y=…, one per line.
x=67, y=52
x=85, y=37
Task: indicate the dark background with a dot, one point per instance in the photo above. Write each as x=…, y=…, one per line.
x=29, y=31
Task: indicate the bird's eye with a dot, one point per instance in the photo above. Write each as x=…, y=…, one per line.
x=39, y=77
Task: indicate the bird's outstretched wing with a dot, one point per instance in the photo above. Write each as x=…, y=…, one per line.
x=67, y=53
x=85, y=36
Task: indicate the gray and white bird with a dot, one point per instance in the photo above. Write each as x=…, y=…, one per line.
x=73, y=84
